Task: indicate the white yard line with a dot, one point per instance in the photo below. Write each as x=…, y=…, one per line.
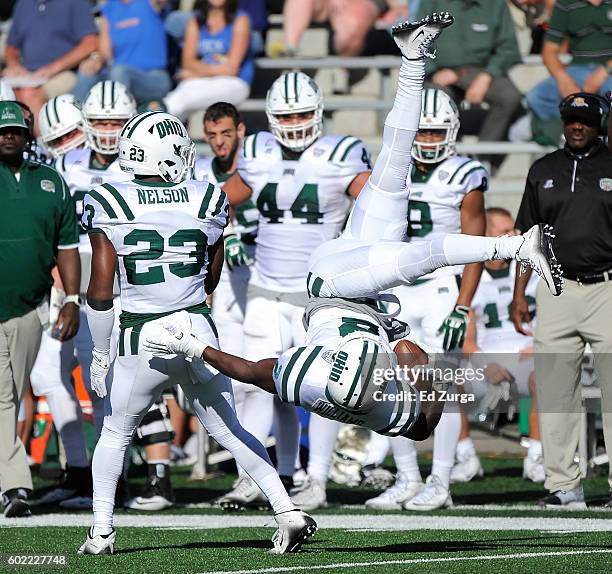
x=348, y=566
x=387, y=522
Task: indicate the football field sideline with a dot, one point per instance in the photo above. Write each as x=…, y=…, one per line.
x=352, y=522
x=351, y=565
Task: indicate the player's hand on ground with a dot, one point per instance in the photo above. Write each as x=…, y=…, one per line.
x=67, y=323
x=519, y=313
x=454, y=328
x=235, y=253
x=100, y=365
x=173, y=337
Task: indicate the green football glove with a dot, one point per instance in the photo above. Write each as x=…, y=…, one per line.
x=235, y=252
x=454, y=328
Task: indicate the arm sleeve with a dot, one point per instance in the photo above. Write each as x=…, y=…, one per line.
x=558, y=25
x=68, y=235
x=528, y=214
x=98, y=214
x=82, y=20
x=506, y=53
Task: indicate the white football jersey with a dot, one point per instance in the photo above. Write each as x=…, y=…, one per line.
x=75, y=167
x=495, y=331
x=301, y=203
x=301, y=373
x=246, y=215
x=435, y=202
x=161, y=233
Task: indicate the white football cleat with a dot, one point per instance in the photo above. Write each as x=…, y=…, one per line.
x=414, y=39
x=310, y=495
x=245, y=494
x=533, y=468
x=466, y=469
x=294, y=527
x=375, y=476
x=101, y=544
x=537, y=252
x=393, y=498
x=433, y=495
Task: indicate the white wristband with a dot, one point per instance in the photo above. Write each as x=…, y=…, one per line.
x=101, y=327
x=76, y=299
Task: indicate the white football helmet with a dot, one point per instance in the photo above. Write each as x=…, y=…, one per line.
x=294, y=93
x=438, y=112
x=58, y=118
x=156, y=143
x=106, y=101
x=6, y=91
x=360, y=361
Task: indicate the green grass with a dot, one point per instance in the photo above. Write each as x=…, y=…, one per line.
x=160, y=550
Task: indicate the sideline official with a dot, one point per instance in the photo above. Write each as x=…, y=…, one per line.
x=38, y=230
x=571, y=189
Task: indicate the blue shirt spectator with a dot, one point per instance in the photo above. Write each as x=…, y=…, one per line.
x=134, y=49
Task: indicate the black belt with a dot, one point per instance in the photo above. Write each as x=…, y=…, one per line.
x=589, y=278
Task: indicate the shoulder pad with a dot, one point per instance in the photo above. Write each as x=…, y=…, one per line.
x=467, y=172
x=202, y=168
x=339, y=147
x=259, y=145
x=105, y=205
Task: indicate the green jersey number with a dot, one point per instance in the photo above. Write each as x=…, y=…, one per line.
x=492, y=313
x=419, y=219
x=305, y=206
x=155, y=273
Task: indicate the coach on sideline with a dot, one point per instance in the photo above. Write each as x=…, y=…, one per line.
x=38, y=230
x=571, y=189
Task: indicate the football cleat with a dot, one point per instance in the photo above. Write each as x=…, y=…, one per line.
x=294, y=527
x=393, y=498
x=533, y=468
x=158, y=493
x=375, y=476
x=537, y=252
x=101, y=544
x=16, y=504
x=245, y=494
x=466, y=469
x=562, y=499
x=310, y=495
x=433, y=495
x=414, y=39
x=74, y=492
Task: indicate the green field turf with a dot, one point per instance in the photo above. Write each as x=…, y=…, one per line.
x=494, y=527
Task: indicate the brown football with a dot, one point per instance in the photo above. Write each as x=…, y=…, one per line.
x=410, y=354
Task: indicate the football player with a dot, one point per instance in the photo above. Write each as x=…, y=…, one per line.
x=302, y=184
x=505, y=355
x=347, y=341
x=61, y=125
x=446, y=196
x=164, y=234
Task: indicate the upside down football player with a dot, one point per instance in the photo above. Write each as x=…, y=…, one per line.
x=347, y=338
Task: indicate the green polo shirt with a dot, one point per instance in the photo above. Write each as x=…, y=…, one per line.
x=481, y=37
x=37, y=216
x=588, y=27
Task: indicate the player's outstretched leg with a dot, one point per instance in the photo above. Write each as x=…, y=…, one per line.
x=381, y=208
x=355, y=269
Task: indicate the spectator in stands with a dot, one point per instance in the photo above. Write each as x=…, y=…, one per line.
x=537, y=14
x=47, y=41
x=32, y=241
x=350, y=21
x=474, y=57
x=570, y=190
x=217, y=65
x=587, y=26
x=133, y=50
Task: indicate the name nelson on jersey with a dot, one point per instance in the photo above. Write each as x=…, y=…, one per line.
x=152, y=196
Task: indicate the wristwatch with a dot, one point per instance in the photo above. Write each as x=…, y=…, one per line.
x=76, y=299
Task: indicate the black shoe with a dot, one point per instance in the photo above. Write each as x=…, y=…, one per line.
x=16, y=503
x=287, y=482
x=158, y=493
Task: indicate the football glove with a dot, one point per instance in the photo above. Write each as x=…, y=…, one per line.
x=454, y=328
x=100, y=365
x=174, y=337
x=235, y=252
x=494, y=395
